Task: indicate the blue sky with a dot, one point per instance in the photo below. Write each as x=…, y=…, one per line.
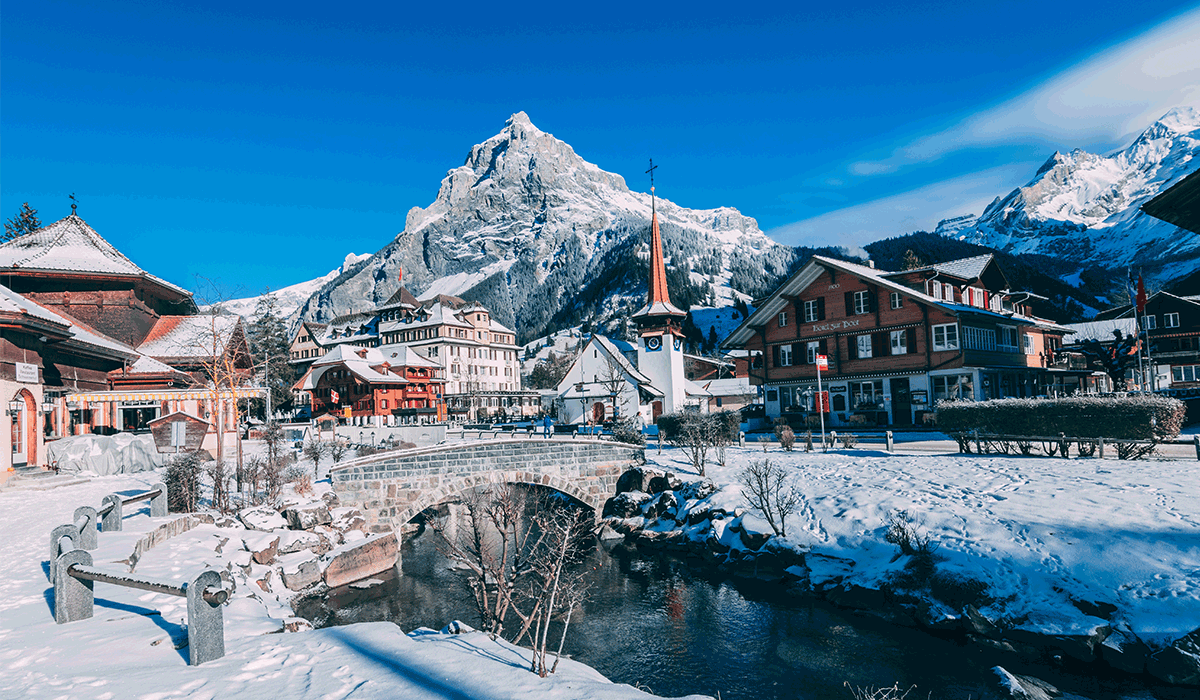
x=257, y=146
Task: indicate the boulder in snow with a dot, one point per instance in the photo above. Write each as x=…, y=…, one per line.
x=1025, y=687
x=359, y=560
x=299, y=570
x=307, y=516
x=262, y=548
x=262, y=518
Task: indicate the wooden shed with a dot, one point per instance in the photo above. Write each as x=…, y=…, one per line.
x=179, y=432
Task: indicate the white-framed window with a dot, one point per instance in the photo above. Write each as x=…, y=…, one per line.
x=864, y=346
x=811, y=350
x=935, y=289
x=954, y=386
x=899, y=345
x=996, y=303
x=811, y=312
x=1171, y=320
x=782, y=319
x=979, y=338
x=785, y=355
x=945, y=337
x=1185, y=373
x=1027, y=341
x=1149, y=322
x=1007, y=341
x=978, y=297
x=866, y=395
x=862, y=303
x=896, y=300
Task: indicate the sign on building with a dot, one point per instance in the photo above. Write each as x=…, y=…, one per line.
x=27, y=373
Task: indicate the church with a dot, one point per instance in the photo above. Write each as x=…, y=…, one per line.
x=614, y=380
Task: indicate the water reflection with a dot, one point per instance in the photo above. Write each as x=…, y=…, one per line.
x=657, y=622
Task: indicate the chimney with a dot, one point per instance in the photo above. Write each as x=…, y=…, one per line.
x=871, y=264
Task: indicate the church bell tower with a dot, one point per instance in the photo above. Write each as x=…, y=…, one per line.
x=660, y=346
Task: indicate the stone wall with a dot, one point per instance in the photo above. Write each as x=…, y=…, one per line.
x=392, y=488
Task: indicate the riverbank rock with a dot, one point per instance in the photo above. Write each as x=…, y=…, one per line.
x=346, y=519
x=262, y=548
x=1178, y=663
x=263, y=518
x=307, y=516
x=1125, y=652
x=359, y=560
x=299, y=570
x=1025, y=687
x=626, y=505
x=292, y=541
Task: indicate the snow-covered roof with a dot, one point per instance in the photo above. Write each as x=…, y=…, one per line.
x=190, y=336
x=70, y=245
x=659, y=308
x=80, y=334
x=732, y=386
x=1102, y=330
x=405, y=356
x=693, y=389
x=966, y=268
x=615, y=352
x=810, y=271
x=148, y=365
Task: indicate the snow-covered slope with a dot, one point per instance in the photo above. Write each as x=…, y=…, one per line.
x=526, y=225
x=1086, y=208
x=290, y=298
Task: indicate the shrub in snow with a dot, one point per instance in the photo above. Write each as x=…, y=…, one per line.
x=786, y=437
x=905, y=532
x=1136, y=417
x=872, y=693
x=337, y=450
x=849, y=440
x=628, y=432
x=183, y=483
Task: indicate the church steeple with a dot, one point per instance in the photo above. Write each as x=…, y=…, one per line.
x=659, y=312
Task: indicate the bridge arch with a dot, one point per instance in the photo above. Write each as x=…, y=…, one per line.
x=391, y=488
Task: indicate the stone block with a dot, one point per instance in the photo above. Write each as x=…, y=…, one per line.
x=359, y=560
x=307, y=516
x=293, y=541
x=299, y=570
x=263, y=548
x=263, y=518
x=296, y=624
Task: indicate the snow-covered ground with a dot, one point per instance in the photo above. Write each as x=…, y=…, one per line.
x=128, y=649
x=1038, y=532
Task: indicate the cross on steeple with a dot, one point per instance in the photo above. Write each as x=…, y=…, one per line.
x=74, y=202
x=650, y=172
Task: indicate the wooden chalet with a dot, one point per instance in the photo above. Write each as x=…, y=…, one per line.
x=897, y=342
x=362, y=385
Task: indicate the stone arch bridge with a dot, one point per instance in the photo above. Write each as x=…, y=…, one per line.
x=393, y=487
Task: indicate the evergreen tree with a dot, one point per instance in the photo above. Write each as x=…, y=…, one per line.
x=713, y=340
x=911, y=261
x=270, y=348
x=24, y=222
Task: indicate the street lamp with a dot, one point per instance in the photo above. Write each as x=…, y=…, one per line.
x=15, y=406
x=372, y=437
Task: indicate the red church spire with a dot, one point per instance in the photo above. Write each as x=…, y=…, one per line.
x=658, y=309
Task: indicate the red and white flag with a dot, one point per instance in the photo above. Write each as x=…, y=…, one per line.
x=1141, y=296
x=334, y=397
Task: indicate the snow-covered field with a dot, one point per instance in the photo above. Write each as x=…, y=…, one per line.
x=1037, y=531
x=127, y=650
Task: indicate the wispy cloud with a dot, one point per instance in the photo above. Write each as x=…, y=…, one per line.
x=920, y=209
x=1106, y=98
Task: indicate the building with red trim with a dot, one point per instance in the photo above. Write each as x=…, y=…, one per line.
x=375, y=387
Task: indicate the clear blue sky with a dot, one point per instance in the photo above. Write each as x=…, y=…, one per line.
x=256, y=146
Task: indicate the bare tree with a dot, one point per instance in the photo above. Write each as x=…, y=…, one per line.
x=767, y=492
x=695, y=435
x=613, y=381
x=338, y=449
x=518, y=551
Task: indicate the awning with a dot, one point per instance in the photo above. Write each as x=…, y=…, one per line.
x=172, y=395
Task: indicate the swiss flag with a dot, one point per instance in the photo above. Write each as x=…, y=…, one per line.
x=334, y=397
x=1141, y=297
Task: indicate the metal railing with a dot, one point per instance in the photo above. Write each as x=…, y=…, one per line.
x=74, y=576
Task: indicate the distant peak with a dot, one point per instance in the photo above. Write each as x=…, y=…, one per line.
x=1053, y=161
x=1181, y=120
x=520, y=119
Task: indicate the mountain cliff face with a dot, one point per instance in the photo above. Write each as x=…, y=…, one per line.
x=1085, y=208
x=525, y=225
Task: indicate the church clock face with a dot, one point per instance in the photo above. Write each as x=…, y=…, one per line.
x=654, y=342
x=678, y=343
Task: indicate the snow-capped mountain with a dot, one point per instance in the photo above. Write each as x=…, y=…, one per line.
x=533, y=231
x=289, y=299
x=1086, y=208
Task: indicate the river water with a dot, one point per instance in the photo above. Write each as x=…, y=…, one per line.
x=672, y=628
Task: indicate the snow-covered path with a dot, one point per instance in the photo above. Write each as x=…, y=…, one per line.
x=1037, y=531
x=127, y=650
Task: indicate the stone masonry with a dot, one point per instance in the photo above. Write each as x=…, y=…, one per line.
x=393, y=487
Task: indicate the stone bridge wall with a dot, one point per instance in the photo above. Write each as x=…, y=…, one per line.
x=392, y=488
